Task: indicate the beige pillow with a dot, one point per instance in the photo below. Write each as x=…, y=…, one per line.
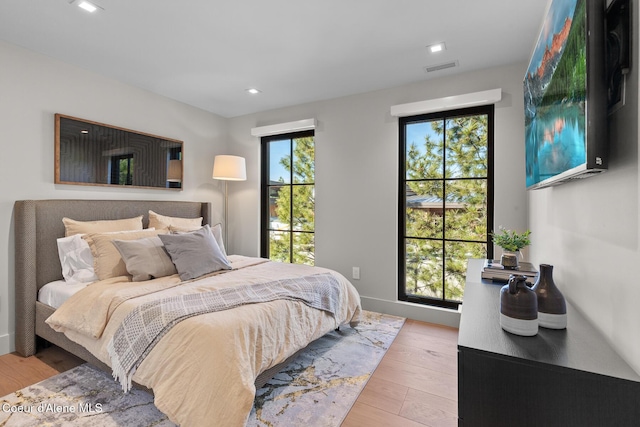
x=107, y=261
x=162, y=222
x=72, y=227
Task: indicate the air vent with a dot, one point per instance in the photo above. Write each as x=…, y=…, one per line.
x=587, y=174
x=441, y=66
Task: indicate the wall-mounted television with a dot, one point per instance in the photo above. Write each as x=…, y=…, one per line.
x=565, y=95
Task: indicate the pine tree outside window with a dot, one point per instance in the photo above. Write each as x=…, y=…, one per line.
x=445, y=202
x=288, y=198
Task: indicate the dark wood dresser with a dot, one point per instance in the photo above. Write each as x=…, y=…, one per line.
x=559, y=378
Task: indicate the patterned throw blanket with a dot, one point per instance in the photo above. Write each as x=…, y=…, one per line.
x=144, y=326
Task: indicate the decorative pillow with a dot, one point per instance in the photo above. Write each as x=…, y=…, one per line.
x=71, y=226
x=216, y=230
x=107, y=261
x=76, y=259
x=162, y=222
x=195, y=254
x=145, y=258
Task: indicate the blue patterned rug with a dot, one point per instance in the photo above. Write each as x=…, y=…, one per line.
x=317, y=389
x=82, y=396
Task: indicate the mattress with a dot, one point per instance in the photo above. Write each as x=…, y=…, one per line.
x=57, y=292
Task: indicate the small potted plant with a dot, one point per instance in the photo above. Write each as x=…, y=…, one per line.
x=511, y=243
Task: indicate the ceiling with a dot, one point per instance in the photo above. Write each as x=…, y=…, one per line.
x=206, y=53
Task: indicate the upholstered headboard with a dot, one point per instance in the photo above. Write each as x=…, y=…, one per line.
x=38, y=223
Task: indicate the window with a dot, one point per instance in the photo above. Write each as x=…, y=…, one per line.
x=288, y=197
x=445, y=203
x=122, y=170
x=174, y=169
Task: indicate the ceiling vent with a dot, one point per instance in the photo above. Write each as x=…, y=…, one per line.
x=441, y=66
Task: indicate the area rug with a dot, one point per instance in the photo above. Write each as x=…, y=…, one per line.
x=82, y=396
x=317, y=389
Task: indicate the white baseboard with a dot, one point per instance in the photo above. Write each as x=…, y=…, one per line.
x=7, y=344
x=424, y=313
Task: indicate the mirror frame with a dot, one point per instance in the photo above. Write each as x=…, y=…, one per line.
x=57, y=167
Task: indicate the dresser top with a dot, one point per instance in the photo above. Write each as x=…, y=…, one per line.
x=581, y=346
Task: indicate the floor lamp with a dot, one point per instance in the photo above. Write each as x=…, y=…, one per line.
x=228, y=168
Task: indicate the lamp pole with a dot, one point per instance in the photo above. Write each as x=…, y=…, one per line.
x=226, y=211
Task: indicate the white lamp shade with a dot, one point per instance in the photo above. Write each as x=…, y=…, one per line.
x=174, y=174
x=229, y=168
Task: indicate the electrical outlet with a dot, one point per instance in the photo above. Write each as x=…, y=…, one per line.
x=355, y=273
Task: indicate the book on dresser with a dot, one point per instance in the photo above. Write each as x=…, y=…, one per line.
x=495, y=272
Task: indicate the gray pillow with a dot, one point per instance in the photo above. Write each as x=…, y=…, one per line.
x=195, y=254
x=145, y=258
x=216, y=230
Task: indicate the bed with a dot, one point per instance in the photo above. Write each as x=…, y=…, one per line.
x=224, y=391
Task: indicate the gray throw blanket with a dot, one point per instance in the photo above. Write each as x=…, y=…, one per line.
x=145, y=325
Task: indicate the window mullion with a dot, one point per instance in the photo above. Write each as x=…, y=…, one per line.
x=291, y=201
x=444, y=207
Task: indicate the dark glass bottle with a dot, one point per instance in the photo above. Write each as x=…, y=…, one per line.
x=552, y=307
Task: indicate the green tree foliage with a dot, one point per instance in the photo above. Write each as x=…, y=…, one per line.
x=450, y=173
x=295, y=207
x=125, y=171
x=568, y=83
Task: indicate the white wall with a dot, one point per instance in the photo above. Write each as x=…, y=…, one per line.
x=33, y=88
x=589, y=231
x=357, y=175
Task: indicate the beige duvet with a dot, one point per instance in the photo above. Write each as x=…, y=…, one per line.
x=202, y=372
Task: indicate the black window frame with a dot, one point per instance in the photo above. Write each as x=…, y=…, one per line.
x=265, y=185
x=488, y=110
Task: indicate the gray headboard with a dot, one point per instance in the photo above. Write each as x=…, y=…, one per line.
x=38, y=223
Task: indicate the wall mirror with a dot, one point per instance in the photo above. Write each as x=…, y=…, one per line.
x=91, y=153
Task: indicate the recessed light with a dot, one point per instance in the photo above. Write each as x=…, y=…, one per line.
x=253, y=91
x=434, y=48
x=86, y=5
x=84, y=131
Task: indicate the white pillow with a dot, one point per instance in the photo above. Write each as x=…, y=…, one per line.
x=76, y=259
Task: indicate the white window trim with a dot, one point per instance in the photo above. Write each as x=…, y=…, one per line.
x=283, y=128
x=447, y=103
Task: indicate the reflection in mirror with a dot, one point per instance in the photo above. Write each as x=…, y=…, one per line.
x=90, y=153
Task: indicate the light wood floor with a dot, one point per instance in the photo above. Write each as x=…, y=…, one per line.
x=415, y=384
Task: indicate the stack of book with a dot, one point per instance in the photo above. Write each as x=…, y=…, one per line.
x=494, y=271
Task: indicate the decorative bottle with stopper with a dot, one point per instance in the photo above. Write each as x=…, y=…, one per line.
x=518, y=307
